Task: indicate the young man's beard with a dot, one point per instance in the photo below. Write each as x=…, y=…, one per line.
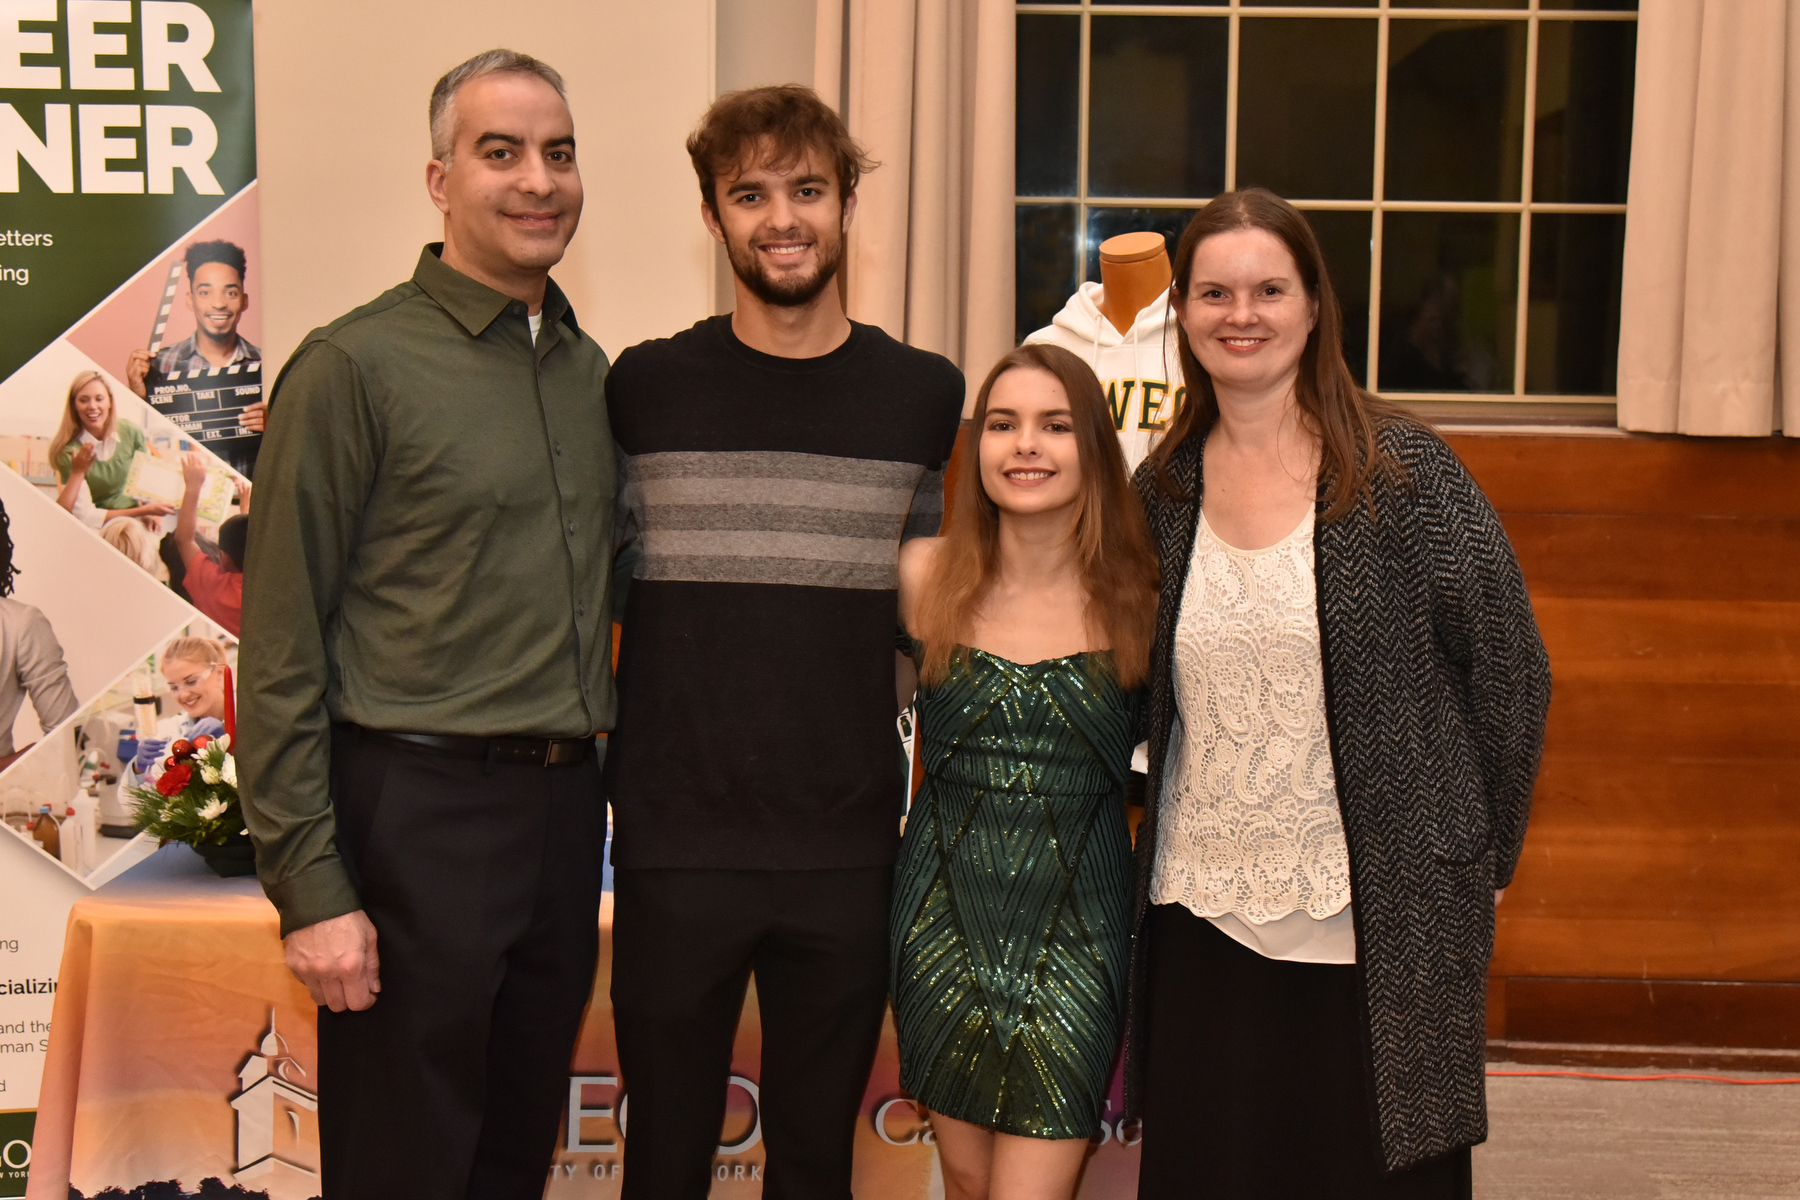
x=786, y=292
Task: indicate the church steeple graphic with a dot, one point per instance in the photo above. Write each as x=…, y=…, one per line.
x=277, y=1122
x=271, y=1058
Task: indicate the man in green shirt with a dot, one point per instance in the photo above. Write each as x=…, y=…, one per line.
x=426, y=657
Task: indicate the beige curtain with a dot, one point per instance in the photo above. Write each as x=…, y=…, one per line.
x=927, y=87
x=1709, y=339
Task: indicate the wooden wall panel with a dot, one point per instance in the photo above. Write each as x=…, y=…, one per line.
x=1743, y=947
x=1645, y=641
x=1658, y=899
x=1641, y=475
x=1657, y=557
x=1674, y=719
x=1653, y=1012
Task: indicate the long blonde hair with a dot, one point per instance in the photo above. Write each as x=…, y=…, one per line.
x=70, y=427
x=1117, y=563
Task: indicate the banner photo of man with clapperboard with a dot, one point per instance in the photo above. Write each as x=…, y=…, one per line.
x=210, y=384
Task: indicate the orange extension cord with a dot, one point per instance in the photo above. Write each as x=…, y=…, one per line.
x=1644, y=1078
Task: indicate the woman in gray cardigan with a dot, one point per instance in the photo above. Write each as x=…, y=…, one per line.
x=1347, y=709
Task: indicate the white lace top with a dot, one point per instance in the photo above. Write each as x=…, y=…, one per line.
x=1250, y=835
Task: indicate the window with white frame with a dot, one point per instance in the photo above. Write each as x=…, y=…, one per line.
x=1464, y=165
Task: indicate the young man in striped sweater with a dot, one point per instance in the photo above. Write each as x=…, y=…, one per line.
x=776, y=458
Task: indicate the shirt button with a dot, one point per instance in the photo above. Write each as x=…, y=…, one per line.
x=571, y=527
x=581, y=610
x=559, y=449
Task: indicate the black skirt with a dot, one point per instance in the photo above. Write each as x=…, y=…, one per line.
x=1255, y=1085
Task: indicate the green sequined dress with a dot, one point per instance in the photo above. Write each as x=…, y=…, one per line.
x=1011, y=924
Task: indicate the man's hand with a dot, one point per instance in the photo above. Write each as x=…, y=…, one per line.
x=137, y=366
x=255, y=417
x=336, y=961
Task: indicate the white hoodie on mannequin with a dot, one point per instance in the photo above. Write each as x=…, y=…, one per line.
x=1139, y=371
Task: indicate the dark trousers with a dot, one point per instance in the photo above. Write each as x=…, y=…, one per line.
x=483, y=882
x=684, y=945
x=1254, y=1084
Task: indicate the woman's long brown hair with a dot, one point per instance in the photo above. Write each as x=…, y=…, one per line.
x=1117, y=564
x=1345, y=417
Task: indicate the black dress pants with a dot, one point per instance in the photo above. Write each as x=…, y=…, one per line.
x=483, y=883
x=1254, y=1084
x=684, y=945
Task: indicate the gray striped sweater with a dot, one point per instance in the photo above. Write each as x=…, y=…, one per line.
x=765, y=502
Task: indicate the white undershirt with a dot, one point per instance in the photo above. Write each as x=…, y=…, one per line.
x=1250, y=835
x=537, y=323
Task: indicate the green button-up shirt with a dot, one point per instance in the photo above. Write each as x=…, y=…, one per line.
x=429, y=552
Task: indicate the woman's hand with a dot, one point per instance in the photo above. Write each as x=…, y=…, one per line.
x=84, y=458
x=149, y=750
x=152, y=508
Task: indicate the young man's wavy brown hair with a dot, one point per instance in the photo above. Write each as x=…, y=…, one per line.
x=785, y=121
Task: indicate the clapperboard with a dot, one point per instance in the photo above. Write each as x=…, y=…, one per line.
x=205, y=403
x=205, y=406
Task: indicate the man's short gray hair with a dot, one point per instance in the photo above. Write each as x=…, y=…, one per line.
x=490, y=62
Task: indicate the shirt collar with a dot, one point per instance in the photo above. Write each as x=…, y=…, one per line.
x=475, y=305
x=189, y=350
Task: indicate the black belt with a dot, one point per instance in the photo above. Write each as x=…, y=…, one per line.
x=537, y=752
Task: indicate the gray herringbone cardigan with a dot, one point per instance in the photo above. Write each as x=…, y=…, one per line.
x=1436, y=690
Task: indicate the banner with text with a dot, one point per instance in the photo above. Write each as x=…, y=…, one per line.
x=131, y=404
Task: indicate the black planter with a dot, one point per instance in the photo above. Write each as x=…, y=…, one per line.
x=238, y=858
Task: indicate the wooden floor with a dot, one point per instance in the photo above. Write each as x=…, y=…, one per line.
x=1658, y=901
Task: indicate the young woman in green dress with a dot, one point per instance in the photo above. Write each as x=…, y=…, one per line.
x=1029, y=623
x=94, y=447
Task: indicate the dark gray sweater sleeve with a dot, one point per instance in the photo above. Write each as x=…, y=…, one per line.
x=1483, y=618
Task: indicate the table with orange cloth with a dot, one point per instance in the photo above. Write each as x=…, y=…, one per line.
x=182, y=1049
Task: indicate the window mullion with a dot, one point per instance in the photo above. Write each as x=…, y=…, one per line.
x=1378, y=191
x=1081, y=142
x=1528, y=145
x=1231, y=99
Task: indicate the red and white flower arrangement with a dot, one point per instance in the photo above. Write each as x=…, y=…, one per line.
x=195, y=797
